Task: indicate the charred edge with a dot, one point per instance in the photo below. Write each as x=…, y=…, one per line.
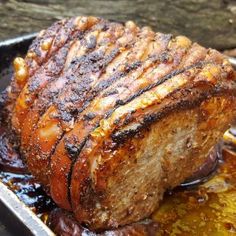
x=83, y=66
x=151, y=86
x=59, y=62
x=47, y=99
x=91, y=42
x=73, y=149
x=68, y=29
x=73, y=154
x=90, y=115
x=58, y=59
x=75, y=157
x=54, y=29
x=35, y=47
x=88, y=61
x=164, y=57
x=107, y=83
x=79, y=61
x=161, y=81
x=111, y=92
x=121, y=137
x=95, y=63
x=80, y=91
x=70, y=37
x=74, y=64
x=56, y=67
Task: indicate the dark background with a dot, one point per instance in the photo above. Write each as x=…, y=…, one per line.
x=209, y=22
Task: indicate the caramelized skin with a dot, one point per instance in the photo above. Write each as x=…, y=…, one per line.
x=38, y=54
x=143, y=76
x=51, y=91
x=48, y=71
x=96, y=104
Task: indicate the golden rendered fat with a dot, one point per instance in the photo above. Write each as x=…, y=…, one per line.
x=21, y=70
x=46, y=44
x=30, y=54
x=228, y=137
x=181, y=41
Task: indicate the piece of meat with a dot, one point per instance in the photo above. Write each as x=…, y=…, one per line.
x=112, y=115
x=129, y=156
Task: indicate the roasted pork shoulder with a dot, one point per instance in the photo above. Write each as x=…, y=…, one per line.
x=111, y=115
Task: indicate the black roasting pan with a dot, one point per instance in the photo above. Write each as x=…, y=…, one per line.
x=15, y=217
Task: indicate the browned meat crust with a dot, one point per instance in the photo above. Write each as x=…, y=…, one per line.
x=110, y=115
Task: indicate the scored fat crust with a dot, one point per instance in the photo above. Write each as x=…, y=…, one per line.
x=59, y=191
x=40, y=51
x=54, y=87
x=48, y=71
x=94, y=89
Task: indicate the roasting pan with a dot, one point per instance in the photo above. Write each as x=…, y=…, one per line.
x=15, y=216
